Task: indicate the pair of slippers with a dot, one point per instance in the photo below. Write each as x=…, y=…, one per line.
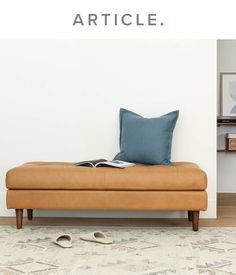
x=65, y=240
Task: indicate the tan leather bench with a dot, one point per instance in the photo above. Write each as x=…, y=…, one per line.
x=59, y=185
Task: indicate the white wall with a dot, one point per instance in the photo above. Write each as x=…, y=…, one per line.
x=226, y=163
x=60, y=100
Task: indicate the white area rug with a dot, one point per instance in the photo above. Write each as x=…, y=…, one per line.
x=146, y=251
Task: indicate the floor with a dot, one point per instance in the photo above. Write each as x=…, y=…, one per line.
x=138, y=248
x=226, y=213
x=135, y=251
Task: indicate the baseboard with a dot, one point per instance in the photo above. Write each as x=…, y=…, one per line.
x=209, y=214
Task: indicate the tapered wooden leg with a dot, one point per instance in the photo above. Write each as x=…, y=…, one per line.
x=190, y=216
x=19, y=218
x=30, y=214
x=195, y=220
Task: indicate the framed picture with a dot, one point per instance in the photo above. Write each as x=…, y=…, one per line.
x=228, y=94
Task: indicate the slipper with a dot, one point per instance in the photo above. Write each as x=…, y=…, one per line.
x=97, y=236
x=64, y=241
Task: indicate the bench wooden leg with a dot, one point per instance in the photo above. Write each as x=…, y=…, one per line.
x=195, y=220
x=19, y=218
x=190, y=216
x=30, y=214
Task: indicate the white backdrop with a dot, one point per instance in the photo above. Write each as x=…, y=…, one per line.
x=60, y=100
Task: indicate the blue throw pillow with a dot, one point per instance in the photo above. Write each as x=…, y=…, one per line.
x=146, y=140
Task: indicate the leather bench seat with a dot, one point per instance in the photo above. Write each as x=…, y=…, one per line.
x=184, y=176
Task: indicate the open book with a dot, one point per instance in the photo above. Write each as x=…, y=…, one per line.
x=105, y=163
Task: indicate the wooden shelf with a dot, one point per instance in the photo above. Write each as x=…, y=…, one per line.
x=226, y=151
x=219, y=124
x=226, y=124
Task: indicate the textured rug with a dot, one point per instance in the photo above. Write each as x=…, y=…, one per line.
x=136, y=250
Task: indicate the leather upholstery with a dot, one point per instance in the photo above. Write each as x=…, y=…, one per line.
x=60, y=185
x=107, y=200
x=66, y=176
